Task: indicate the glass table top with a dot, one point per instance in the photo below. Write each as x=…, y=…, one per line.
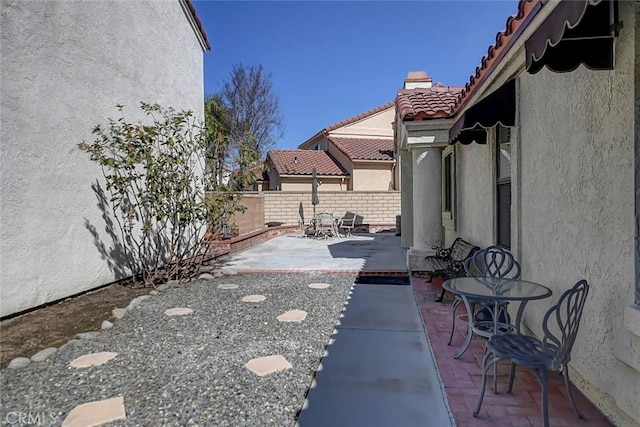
x=496, y=288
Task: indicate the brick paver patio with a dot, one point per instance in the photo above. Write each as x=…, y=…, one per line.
x=463, y=377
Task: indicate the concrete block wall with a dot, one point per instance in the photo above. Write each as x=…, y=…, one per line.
x=375, y=207
x=252, y=218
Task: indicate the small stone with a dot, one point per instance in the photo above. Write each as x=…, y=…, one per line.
x=262, y=366
x=254, y=298
x=19, y=362
x=292, y=316
x=43, y=355
x=96, y=413
x=136, y=301
x=228, y=286
x=218, y=274
x=230, y=273
x=319, y=285
x=87, y=335
x=93, y=359
x=173, y=283
x=106, y=325
x=118, y=313
x=154, y=292
x=206, y=276
x=178, y=311
x=68, y=344
x=163, y=287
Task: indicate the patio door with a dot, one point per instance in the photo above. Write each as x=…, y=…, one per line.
x=503, y=186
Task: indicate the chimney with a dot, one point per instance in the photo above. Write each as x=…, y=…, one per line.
x=417, y=79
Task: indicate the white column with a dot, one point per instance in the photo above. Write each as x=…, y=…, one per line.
x=406, y=201
x=427, y=212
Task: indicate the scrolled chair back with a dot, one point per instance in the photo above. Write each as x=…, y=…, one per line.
x=494, y=262
x=566, y=313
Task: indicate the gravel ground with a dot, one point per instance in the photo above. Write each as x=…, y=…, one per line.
x=189, y=370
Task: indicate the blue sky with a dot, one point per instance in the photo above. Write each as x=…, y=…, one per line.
x=332, y=60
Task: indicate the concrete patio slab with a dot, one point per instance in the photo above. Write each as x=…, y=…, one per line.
x=364, y=252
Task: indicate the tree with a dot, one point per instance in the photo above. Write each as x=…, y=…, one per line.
x=255, y=121
x=217, y=138
x=156, y=181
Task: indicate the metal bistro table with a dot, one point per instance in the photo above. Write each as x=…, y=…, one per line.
x=498, y=291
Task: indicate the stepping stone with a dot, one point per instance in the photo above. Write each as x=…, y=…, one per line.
x=96, y=413
x=254, y=298
x=43, y=355
x=93, y=359
x=319, y=285
x=19, y=362
x=178, y=311
x=206, y=276
x=292, y=316
x=228, y=286
x=262, y=366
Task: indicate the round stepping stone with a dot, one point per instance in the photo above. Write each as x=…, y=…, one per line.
x=96, y=413
x=254, y=298
x=319, y=285
x=93, y=359
x=262, y=366
x=178, y=311
x=228, y=286
x=292, y=316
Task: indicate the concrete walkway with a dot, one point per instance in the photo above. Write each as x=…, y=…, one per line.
x=378, y=368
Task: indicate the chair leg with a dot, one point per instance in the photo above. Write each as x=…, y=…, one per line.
x=486, y=365
x=567, y=384
x=542, y=376
x=512, y=375
x=454, y=309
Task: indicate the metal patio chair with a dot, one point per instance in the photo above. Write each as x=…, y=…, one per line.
x=348, y=222
x=492, y=261
x=552, y=353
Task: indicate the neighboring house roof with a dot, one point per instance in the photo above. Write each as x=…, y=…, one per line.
x=349, y=121
x=365, y=148
x=198, y=23
x=302, y=162
x=515, y=25
x=427, y=103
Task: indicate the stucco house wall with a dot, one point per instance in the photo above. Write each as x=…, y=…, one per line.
x=64, y=66
x=378, y=124
x=577, y=209
x=372, y=176
x=572, y=213
x=304, y=184
x=475, y=192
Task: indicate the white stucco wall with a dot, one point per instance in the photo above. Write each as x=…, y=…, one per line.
x=372, y=176
x=64, y=65
x=577, y=212
x=378, y=124
x=475, y=192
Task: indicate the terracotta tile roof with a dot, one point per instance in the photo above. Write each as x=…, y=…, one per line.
x=427, y=103
x=359, y=117
x=365, y=148
x=192, y=9
x=516, y=23
x=301, y=162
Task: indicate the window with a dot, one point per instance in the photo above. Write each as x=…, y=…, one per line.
x=503, y=186
x=448, y=187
